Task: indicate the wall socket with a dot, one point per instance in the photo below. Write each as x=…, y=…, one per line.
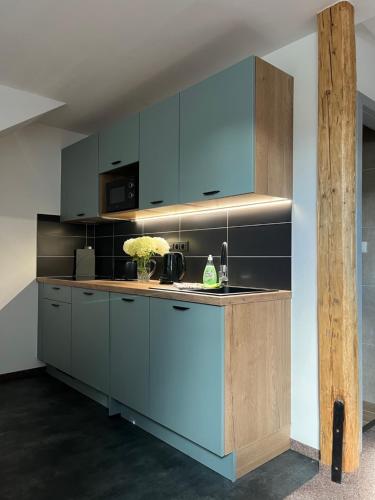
x=180, y=246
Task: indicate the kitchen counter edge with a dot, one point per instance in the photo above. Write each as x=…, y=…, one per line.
x=166, y=291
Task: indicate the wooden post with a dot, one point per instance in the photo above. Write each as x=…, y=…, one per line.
x=337, y=301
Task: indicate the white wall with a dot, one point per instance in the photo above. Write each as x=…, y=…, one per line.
x=300, y=60
x=365, y=62
x=29, y=184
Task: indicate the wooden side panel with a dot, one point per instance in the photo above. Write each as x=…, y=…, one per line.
x=256, y=454
x=258, y=374
x=273, y=131
x=337, y=303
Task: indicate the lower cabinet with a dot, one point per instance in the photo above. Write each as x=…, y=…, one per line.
x=90, y=338
x=56, y=334
x=129, y=347
x=187, y=370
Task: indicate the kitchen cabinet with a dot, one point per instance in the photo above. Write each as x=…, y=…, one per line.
x=217, y=129
x=79, y=180
x=57, y=292
x=90, y=337
x=159, y=154
x=119, y=144
x=187, y=370
x=56, y=334
x=210, y=377
x=129, y=361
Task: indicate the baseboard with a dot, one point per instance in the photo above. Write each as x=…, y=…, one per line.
x=84, y=389
x=225, y=466
x=368, y=412
x=304, y=449
x=32, y=372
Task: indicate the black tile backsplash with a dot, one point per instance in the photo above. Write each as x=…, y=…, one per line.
x=262, y=272
x=204, y=242
x=204, y=221
x=259, y=243
x=57, y=242
x=263, y=213
x=263, y=240
x=127, y=227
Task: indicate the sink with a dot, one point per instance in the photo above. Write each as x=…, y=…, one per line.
x=223, y=291
x=230, y=290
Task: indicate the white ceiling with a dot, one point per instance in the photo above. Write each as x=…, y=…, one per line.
x=107, y=58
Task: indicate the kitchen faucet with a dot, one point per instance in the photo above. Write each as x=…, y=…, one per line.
x=223, y=269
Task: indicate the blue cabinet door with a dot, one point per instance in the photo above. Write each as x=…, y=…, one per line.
x=56, y=334
x=119, y=144
x=217, y=135
x=79, y=180
x=90, y=337
x=187, y=370
x=159, y=154
x=129, y=360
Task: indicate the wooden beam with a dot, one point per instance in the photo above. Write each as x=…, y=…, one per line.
x=337, y=300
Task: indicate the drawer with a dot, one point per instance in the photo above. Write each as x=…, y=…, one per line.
x=57, y=292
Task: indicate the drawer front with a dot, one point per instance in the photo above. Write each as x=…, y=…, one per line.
x=57, y=292
x=119, y=144
x=90, y=338
x=56, y=334
x=187, y=370
x=129, y=347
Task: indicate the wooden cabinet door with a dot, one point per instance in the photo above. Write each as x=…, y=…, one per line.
x=217, y=135
x=119, y=144
x=56, y=334
x=129, y=360
x=79, y=180
x=90, y=337
x=159, y=154
x=187, y=370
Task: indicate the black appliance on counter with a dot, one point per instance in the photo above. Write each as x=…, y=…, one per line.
x=173, y=268
x=121, y=194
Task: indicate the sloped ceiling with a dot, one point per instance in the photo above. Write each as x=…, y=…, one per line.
x=109, y=58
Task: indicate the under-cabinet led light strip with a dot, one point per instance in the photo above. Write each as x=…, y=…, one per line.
x=213, y=210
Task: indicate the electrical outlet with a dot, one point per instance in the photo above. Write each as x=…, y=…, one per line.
x=180, y=246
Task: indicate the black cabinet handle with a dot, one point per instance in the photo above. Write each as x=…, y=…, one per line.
x=210, y=193
x=127, y=300
x=181, y=308
x=116, y=162
x=55, y=288
x=88, y=293
x=80, y=215
x=157, y=202
x=55, y=305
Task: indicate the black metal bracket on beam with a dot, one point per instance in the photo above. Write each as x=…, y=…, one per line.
x=337, y=440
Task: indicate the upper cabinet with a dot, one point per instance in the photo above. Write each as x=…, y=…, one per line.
x=217, y=143
x=226, y=141
x=236, y=133
x=119, y=144
x=159, y=154
x=79, y=180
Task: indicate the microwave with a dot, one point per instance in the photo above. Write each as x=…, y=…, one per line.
x=121, y=194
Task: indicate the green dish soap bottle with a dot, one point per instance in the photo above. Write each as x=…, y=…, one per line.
x=209, y=274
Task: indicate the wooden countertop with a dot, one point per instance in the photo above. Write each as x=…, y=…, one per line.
x=166, y=291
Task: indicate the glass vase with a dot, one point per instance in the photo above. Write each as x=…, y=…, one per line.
x=145, y=269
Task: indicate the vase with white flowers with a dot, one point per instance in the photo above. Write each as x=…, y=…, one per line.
x=141, y=250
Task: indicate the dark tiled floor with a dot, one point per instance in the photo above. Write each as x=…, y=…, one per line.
x=57, y=444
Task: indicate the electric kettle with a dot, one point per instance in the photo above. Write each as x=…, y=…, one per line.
x=173, y=267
